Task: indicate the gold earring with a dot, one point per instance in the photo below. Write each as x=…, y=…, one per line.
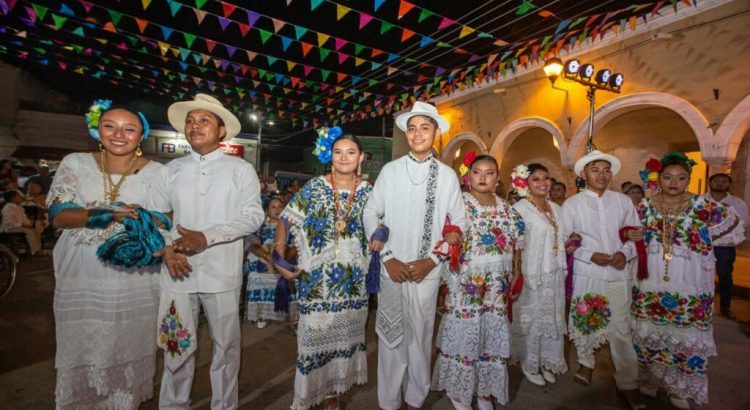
x=138, y=152
x=359, y=170
x=101, y=147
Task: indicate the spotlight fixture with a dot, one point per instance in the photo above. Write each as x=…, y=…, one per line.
x=602, y=77
x=552, y=69
x=586, y=72
x=615, y=82
x=571, y=67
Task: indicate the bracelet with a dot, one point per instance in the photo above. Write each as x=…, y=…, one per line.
x=99, y=219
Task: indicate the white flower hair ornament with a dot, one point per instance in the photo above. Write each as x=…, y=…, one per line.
x=519, y=179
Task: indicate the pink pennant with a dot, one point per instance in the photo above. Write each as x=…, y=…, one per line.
x=343, y=57
x=340, y=43
x=446, y=22
x=307, y=69
x=364, y=19
x=277, y=25
x=86, y=5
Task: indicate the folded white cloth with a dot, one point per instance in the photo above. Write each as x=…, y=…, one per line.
x=177, y=333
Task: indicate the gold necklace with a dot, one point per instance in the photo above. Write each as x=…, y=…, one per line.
x=342, y=216
x=112, y=190
x=671, y=218
x=551, y=219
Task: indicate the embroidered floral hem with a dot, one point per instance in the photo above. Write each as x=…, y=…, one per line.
x=674, y=381
x=673, y=308
x=337, y=377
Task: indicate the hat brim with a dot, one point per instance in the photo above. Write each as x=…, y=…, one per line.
x=403, y=119
x=177, y=113
x=614, y=163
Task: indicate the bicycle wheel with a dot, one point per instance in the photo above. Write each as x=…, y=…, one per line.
x=8, y=267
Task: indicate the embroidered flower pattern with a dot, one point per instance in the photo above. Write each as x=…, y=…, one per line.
x=494, y=230
x=672, y=308
x=692, y=227
x=308, y=363
x=172, y=334
x=589, y=312
x=687, y=365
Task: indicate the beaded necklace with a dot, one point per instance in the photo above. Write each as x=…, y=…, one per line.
x=342, y=215
x=551, y=219
x=112, y=190
x=671, y=220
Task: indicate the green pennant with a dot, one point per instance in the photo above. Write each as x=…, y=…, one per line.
x=79, y=32
x=385, y=26
x=324, y=74
x=299, y=32
x=200, y=3
x=264, y=35
x=442, y=44
x=372, y=83
x=314, y=4
x=425, y=14
x=189, y=39
x=324, y=53
x=261, y=73
x=358, y=49
x=577, y=22
x=184, y=53
x=143, y=50
x=133, y=40
x=115, y=16
x=197, y=58
x=525, y=7
x=202, y=69
x=77, y=48
x=106, y=60
x=410, y=60
x=40, y=50
x=41, y=11
x=58, y=21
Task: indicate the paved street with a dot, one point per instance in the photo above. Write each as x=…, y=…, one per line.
x=27, y=373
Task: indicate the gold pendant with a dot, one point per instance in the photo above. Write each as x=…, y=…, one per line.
x=666, y=278
x=668, y=256
x=340, y=226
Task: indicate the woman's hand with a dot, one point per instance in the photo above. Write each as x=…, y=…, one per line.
x=287, y=274
x=635, y=235
x=125, y=211
x=376, y=246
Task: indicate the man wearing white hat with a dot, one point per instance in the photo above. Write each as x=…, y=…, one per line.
x=600, y=308
x=413, y=196
x=216, y=201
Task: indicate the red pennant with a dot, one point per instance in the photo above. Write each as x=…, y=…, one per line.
x=306, y=47
x=227, y=8
x=341, y=77
x=244, y=29
x=210, y=44
x=404, y=8
x=142, y=24
x=406, y=34
x=376, y=52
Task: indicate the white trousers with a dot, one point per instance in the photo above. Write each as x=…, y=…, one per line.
x=222, y=312
x=619, y=337
x=407, y=366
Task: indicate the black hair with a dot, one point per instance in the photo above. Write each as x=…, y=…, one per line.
x=720, y=174
x=351, y=137
x=624, y=184
x=536, y=167
x=489, y=158
x=430, y=119
x=274, y=197
x=676, y=161
x=9, y=195
x=565, y=188
x=127, y=108
x=633, y=186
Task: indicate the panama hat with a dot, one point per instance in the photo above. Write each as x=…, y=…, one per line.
x=425, y=109
x=177, y=113
x=597, y=155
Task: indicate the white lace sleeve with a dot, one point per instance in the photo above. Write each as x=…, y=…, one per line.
x=65, y=184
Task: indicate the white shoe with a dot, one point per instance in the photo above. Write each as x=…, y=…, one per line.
x=261, y=324
x=679, y=402
x=549, y=376
x=535, y=378
x=483, y=404
x=647, y=391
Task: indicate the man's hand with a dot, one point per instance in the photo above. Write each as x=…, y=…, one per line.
x=419, y=269
x=601, y=259
x=126, y=211
x=177, y=263
x=618, y=261
x=453, y=238
x=190, y=242
x=397, y=270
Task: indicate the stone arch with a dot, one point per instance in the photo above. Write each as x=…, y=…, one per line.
x=456, y=142
x=632, y=102
x=730, y=133
x=517, y=127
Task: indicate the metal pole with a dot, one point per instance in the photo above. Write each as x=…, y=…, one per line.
x=591, y=95
x=258, y=145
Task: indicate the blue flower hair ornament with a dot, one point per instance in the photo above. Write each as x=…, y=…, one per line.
x=324, y=144
x=94, y=115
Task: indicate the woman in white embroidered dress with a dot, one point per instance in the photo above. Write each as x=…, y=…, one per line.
x=262, y=277
x=474, y=337
x=325, y=218
x=105, y=317
x=539, y=315
x=672, y=308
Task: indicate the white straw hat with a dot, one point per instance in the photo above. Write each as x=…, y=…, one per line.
x=425, y=109
x=177, y=113
x=597, y=155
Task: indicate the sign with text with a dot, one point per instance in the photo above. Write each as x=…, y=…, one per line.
x=236, y=150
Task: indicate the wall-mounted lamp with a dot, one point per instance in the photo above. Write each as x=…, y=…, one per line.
x=553, y=68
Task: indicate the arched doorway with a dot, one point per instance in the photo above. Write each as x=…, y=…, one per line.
x=518, y=127
x=731, y=132
x=460, y=144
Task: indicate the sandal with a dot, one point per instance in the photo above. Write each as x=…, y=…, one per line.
x=583, y=375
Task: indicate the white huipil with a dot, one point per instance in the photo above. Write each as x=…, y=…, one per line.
x=218, y=195
x=600, y=307
x=539, y=325
x=415, y=214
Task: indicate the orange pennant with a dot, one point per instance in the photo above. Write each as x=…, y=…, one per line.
x=404, y=8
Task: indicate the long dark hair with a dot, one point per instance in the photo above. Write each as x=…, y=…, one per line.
x=533, y=167
x=489, y=158
x=351, y=137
